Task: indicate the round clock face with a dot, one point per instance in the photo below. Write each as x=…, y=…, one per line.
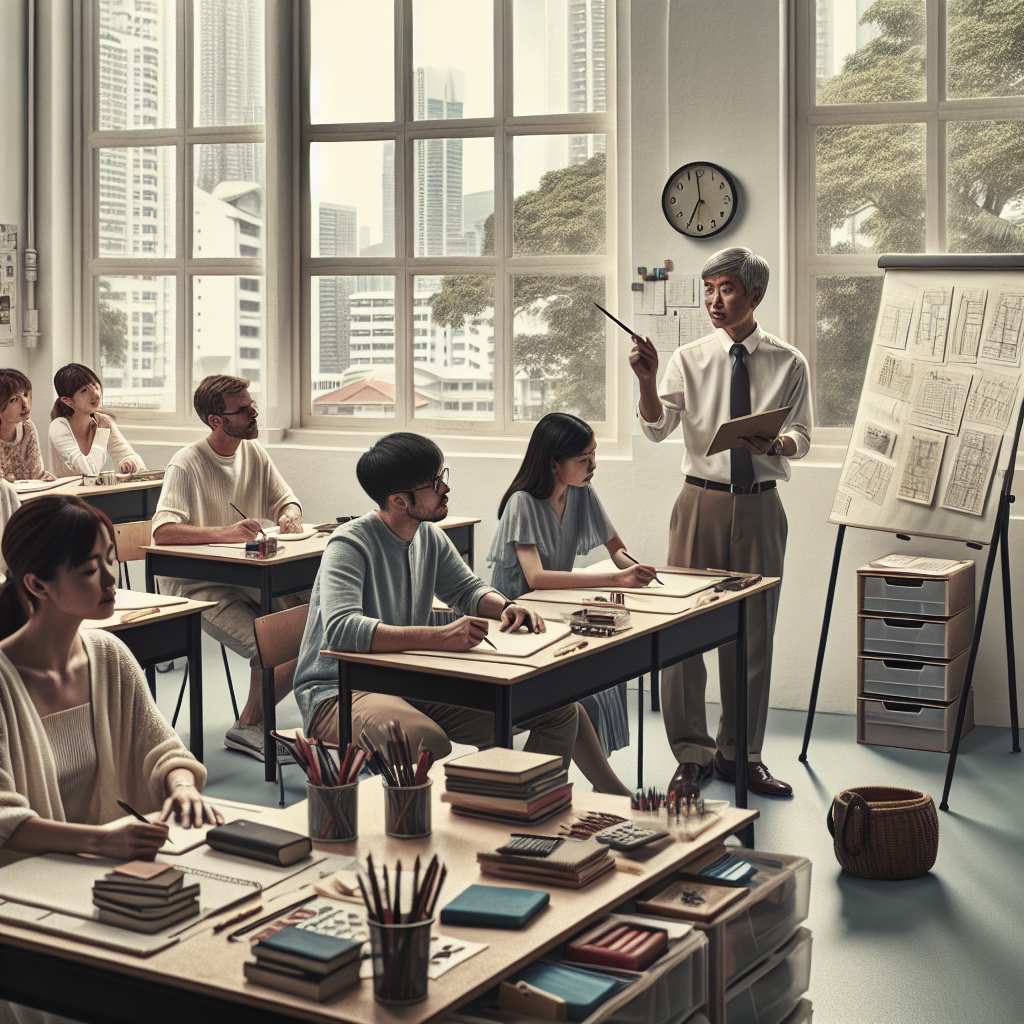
x=699, y=200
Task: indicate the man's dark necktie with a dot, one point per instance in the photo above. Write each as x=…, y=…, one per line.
x=739, y=405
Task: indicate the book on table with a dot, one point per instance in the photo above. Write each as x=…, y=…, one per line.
x=136, y=923
x=317, y=987
x=496, y=764
x=488, y=906
x=305, y=963
x=502, y=805
x=512, y=791
x=514, y=818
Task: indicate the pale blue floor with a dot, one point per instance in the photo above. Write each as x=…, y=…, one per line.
x=947, y=948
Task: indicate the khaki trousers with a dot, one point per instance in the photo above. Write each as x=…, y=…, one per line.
x=746, y=533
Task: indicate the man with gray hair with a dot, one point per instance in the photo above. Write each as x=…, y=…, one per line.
x=728, y=514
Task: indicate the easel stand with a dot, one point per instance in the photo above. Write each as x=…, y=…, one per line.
x=999, y=544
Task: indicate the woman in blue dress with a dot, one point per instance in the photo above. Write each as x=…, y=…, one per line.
x=548, y=516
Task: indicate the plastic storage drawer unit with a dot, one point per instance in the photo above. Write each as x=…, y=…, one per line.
x=900, y=594
x=886, y=723
x=917, y=638
x=771, y=992
x=939, y=681
x=803, y=1014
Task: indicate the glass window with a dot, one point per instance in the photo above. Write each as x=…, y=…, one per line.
x=984, y=49
x=226, y=338
x=228, y=62
x=122, y=302
x=136, y=202
x=454, y=189
x=560, y=195
x=228, y=199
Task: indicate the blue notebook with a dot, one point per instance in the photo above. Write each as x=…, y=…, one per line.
x=583, y=991
x=492, y=906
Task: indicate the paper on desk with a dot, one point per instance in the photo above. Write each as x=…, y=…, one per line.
x=521, y=644
x=918, y=564
x=180, y=840
x=271, y=531
x=131, y=600
x=758, y=424
x=31, y=486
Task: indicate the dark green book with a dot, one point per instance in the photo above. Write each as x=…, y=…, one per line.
x=307, y=950
x=583, y=991
x=491, y=906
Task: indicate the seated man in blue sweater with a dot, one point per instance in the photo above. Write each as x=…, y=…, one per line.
x=374, y=592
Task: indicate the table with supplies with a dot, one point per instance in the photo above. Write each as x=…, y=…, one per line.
x=127, y=501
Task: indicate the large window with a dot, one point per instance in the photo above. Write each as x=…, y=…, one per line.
x=457, y=163
x=910, y=139
x=176, y=229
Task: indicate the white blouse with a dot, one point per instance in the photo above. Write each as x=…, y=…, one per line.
x=67, y=459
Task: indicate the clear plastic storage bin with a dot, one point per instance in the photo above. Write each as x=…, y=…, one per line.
x=771, y=991
x=912, y=680
x=907, y=594
x=893, y=723
x=917, y=638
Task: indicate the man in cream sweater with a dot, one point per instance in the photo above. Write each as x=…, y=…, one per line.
x=201, y=483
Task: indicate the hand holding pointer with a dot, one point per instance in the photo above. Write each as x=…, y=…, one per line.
x=644, y=359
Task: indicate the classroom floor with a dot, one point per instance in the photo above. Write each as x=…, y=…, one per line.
x=943, y=949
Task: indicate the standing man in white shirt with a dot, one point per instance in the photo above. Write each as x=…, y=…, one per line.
x=728, y=514
x=201, y=483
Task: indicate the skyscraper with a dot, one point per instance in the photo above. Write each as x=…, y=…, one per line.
x=338, y=234
x=587, y=67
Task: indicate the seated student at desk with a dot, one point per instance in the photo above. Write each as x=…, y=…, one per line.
x=201, y=483
x=81, y=435
x=20, y=458
x=548, y=516
x=374, y=592
x=78, y=728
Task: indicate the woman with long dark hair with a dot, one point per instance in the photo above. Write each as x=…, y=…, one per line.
x=548, y=516
x=79, y=728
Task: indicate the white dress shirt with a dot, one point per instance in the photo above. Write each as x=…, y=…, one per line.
x=695, y=392
x=67, y=459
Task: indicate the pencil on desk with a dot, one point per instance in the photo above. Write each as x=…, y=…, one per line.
x=244, y=516
x=635, y=562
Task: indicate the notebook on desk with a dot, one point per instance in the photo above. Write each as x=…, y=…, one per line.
x=521, y=644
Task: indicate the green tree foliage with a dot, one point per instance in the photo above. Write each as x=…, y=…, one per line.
x=113, y=334
x=564, y=215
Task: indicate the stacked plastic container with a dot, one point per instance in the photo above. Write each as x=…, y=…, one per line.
x=914, y=637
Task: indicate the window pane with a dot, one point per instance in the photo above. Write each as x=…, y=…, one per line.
x=453, y=347
x=352, y=195
x=452, y=59
x=985, y=186
x=228, y=77
x=136, y=209
x=869, y=183
x=559, y=195
x=135, y=65
x=559, y=56
x=228, y=200
x=137, y=342
x=984, y=49
x=558, y=351
x=361, y=87
x=228, y=329
x=870, y=52
x=353, y=362
x=454, y=189
x=847, y=308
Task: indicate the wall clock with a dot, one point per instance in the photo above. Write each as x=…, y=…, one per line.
x=700, y=199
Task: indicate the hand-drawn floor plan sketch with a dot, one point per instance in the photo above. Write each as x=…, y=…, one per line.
x=972, y=472
x=933, y=326
x=841, y=504
x=921, y=466
x=894, y=377
x=869, y=476
x=1006, y=334
x=879, y=439
x=894, y=325
x=965, y=341
x=992, y=398
x=939, y=400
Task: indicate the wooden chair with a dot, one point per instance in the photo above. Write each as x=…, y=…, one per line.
x=278, y=639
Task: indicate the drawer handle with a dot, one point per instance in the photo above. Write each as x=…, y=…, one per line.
x=902, y=581
x=903, y=709
x=904, y=623
x=904, y=666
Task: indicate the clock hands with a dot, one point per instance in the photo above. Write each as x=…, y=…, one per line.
x=699, y=203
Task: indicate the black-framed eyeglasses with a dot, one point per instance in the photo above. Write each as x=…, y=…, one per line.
x=437, y=483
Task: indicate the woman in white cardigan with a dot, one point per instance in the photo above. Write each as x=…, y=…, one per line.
x=80, y=435
x=78, y=728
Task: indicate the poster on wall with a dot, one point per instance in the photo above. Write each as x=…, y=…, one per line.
x=8, y=284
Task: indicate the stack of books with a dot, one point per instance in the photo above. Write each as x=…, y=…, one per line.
x=507, y=785
x=574, y=864
x=305, y=963
x=145, y=896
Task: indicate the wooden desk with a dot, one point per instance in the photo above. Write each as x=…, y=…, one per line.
x=201, y=979
x=174, y=633
x=292, y=570
x=123, y=503
x=514, y=692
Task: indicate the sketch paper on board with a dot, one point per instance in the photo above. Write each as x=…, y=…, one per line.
x=869, y=476
x=841, y=504
x=894, y=323
x=921, y=466
x=879, y=439
x=683, y=290
x=8, y=283
x=939, y=400
x=694, y=324
x=894, y=377
x=965, y=341
x=1006, y=333
x=652, y=299
x=933, y=325
x=972, y=472
x=664, y=331
x=992, y=398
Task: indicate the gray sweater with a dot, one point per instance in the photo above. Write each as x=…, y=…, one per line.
x=369, y=576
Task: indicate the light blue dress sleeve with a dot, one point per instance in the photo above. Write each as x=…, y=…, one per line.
x=519, y=524
x=593, y=526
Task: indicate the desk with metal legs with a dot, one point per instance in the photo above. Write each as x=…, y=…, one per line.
x=127, y=502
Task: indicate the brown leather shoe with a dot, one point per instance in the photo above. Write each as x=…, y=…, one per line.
x=759, y=779
x=686, y=782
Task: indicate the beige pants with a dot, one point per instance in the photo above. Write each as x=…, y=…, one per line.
x=436, y=724
x=747, y=533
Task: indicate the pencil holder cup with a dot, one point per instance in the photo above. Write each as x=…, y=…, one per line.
x=333, y=816
x=107, y=477
x=401, y=955
x=407, y=811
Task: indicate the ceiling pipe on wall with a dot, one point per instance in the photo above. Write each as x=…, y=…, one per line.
x=31, y=317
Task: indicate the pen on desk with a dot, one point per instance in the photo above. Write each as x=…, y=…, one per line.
x=134, y=813
x=217, y=928
x=635, y=562
x=244, y=516
x=267, y=918
x=488, y=641
x=576, y=645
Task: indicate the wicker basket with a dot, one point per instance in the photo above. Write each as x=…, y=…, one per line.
x=883, y=832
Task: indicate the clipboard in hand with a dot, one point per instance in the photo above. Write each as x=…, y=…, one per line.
x=759, y=424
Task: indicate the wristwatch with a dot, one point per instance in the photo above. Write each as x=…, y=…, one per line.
x=776, y=449
x=507, y=604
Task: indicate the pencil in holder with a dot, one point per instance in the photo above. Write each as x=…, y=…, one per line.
x=333, y=813
x=401, y=955
x=407, y=810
